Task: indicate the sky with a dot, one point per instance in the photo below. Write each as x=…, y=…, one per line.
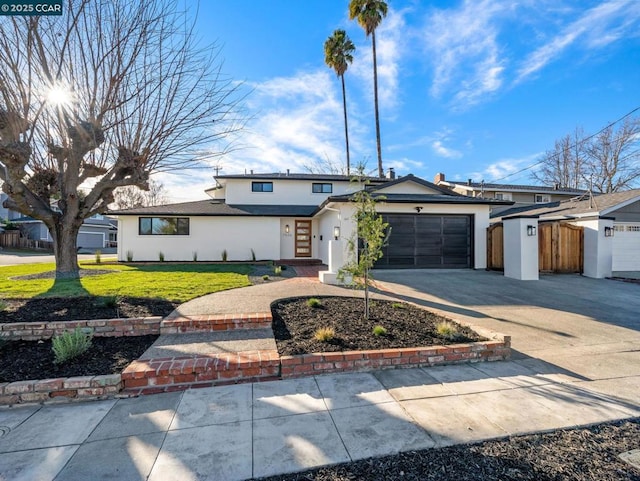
x=474, y=89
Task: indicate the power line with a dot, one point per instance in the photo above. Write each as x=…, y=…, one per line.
x=576, y=144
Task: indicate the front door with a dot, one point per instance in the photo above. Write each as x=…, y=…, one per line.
x=303, y=238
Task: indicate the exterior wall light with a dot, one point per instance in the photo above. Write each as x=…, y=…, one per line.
x=531, y=230
x=286, y=229
x=336, y=232
x=418, y=209
x=608, y=231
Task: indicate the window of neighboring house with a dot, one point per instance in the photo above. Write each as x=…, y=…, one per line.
x=163, y=226
x=503, y=195
x=543, y=198
x=261, y=186
x=321, y=188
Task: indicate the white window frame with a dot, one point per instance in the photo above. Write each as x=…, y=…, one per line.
x=546, y=198
x=503, y=196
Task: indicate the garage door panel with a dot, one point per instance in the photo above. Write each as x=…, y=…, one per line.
x=428, y=241
x=626, y=247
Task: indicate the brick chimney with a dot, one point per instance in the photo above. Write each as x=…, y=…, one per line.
x=391, y=174
x=438, y=178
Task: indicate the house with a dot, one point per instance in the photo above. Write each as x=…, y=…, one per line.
x=309, y=216
x=97, y=232
x=610, y=226
x=521, y=195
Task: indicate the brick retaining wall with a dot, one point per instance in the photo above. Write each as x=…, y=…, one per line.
x=351, y=361
x=35, y=331
x=221, y=322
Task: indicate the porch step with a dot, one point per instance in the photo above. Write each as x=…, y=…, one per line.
x=176, y=324
x=176, y=362
x=300, y=262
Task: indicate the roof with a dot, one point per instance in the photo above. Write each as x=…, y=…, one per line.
x=515, y=187
x=289, y=176
x=602, y=204
x=217, y=207
x=417, y=180
x=424, y=199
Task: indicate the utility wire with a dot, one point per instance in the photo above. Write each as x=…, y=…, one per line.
x=576, y=144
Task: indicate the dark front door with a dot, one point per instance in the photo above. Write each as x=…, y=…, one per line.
x=428, y=241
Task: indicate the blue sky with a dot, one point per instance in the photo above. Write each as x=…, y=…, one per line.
x=475, y=89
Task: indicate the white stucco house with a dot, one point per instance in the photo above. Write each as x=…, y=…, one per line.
x=287, y=216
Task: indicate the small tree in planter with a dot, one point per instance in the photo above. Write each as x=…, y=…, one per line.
x=365, y=246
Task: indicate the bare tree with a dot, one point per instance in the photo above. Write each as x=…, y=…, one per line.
x=131, y=196
x=613, y=157
x=606, y=162
x=103, y=96
x=564, y=165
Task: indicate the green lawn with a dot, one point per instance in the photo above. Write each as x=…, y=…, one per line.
x=174, y=282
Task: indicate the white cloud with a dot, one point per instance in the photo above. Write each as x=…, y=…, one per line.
x=498, y=170
x=439, y=148
x=462, y=45
x=597, y=27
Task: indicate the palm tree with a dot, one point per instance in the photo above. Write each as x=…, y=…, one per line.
x=338, y=54
x=370, y=14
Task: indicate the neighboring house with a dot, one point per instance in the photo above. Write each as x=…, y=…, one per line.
x=309, y=216
x=521, y=195
x=97, y=232
x=611, y=224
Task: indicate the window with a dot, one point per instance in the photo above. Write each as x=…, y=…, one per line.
x=633, y=228
x=321, y=188
x=543, y=198
x=503, y=195
x=618, y=228
x=261, y=186
x=163, y=226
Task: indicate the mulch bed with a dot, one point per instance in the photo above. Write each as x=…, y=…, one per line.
x=24, y=360
x=294, y=325
x=51, y=309
x=576, y=455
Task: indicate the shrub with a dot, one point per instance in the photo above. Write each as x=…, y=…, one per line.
x=129, y=256
x=314, y=303
x=224, y=255
x=161, y=256
x=3, y=305
x=108, y=301
x=70, y=344
x=324, y=334
x=98, y=255
x=448, y=330
x=277, y=270
x=399, y=305
x=253, y=255
x=265, y=277
x=379, y=331
x=195, y=256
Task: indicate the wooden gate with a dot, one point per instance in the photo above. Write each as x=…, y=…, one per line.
x=560, y=247
x=495, y=247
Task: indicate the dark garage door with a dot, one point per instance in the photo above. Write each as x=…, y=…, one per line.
x=428, y=241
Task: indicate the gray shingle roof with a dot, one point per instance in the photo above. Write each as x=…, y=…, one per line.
x=217, y=207
x=285, y=176
x=599, y=205
x=426, y=199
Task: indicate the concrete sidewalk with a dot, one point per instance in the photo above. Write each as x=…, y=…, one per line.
x=253, y=430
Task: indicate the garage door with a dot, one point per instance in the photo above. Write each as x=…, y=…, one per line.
x=428, y=241
x=90, y=240
x=626, y=247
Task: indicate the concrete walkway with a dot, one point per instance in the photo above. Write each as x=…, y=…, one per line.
x=577, y=362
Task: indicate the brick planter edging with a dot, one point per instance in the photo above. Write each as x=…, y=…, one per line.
x=220, y=322
x=352, y=361
x=36, y=331
x=80, y=388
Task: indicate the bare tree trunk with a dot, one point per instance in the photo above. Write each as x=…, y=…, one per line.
x=375, y=97
x=346, y=128
x=65, y=248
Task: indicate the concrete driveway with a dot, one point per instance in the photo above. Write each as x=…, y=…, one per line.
x=583, y=329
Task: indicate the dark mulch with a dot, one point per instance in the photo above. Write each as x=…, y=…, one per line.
x=24, y=360
x=51, y=309
x=577, y=455
x=294, y=325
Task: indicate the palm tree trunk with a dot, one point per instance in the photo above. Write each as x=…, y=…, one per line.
x=375, y=96
x=346, y=128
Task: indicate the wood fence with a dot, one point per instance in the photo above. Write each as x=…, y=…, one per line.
x=560, y=247
x=12, y=239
